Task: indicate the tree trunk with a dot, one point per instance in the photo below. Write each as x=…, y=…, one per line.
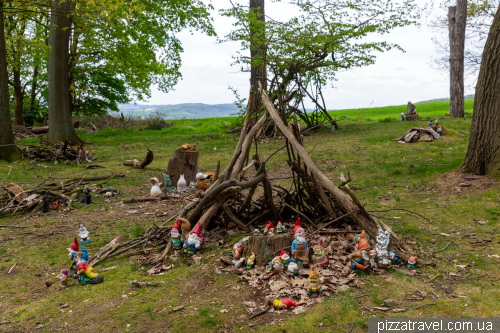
x=457, y=16
x=61, y=126
x=33, y=94
x=19, y=95
x=183, y=162
x=257, y=51
x=483, y=154
x=6, y=137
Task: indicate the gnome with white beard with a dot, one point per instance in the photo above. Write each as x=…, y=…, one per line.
x=176, y=236
x=300, y=248
x=193, y=243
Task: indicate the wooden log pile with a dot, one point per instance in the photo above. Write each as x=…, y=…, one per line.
x=417, y=134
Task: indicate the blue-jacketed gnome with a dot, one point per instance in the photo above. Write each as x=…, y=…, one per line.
x=300, y=248
x=73, y=249
x=193, y=242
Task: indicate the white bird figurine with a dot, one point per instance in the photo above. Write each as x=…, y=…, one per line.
x=200, y=176
x=155, y=188
x=215, y=148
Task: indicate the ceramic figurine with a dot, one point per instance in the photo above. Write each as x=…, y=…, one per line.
x=256, y=232
x=108, y=197
x=155, y=187
x=193, y=243
x=281, y=304
x=86, y=274
x=293, y=269
x=412, y=262
x=87, y=198
x=300, y=248
x=430, y=122
x=181, y=184
x=314, y=283
x=63, y=277
x=373, y=259
x=200, y=176
x=192, y=184
x=239, y=263
x=237, y=251
x=403, y=117
x=383, y=239
x=83, y=234
x=46, y=203
x=439, y=130
x=280, y=228
x=89, y=156
x=268, y=230
x=395, y=259
x=168, y=182
x=320, y=257
x=363, y=246
x=81, y=154
x=285, y=257
x=73, y=249
x=55, y=205
x=357, y=262
x=275, y=264
x=251, y=261
x=176, y=236
x=436, y=122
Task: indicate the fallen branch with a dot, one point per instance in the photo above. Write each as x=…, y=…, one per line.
x=444, y=248
x=421, y=306
x=1, y=185
x=11, y=226
x=144, y=284
x=406, y=210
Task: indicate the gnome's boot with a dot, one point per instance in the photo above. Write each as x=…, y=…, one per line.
x=97, y=280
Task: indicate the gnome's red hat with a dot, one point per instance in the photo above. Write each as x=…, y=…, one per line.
x=74, y=245
x=432, y=119
x=288, y=303
x=269, y=225
x=297, y=226
x=176, y=225
x=320, y=244
x=197, y=230
x=283, y=252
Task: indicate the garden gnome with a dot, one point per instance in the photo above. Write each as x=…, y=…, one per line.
x=300, y=248
x=439, y=130
x=285, y=257
x=363, y=246
x=275, y=265
x=268, y=230
x=256, y=232
x=314, y=283
x=176, y=236
x=83, y=234
x=280, y=228
x=73, y=249
x=395, y=259
x=403, y=117
x=86, y=274
x=430, y=122
x=237, y=251
x=373, y=259
x=108, y=197
x=155, y=188
x=251, y=261
x=383, y=239
x=193, y=243
x=436, y=122
x=63, y=277
x=87, y=198
x=89, y=156
x=320, y=255
x=293, y=269
x=412, y=262
x=357, y=262
x=281, y=304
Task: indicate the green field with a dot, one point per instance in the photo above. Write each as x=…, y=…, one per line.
x=385, y=174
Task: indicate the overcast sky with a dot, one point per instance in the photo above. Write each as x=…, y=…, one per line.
x=394, y=79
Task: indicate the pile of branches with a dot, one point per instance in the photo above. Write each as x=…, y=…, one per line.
x=50, y=152
x=21, y=133
x=416, y=134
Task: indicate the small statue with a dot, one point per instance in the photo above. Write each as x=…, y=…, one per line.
x=275, y=265
x=86, y=274
x=46, y=203
x=268, y=230
x=281, y=304
x=395, y=259
x=280, y=228
x=193, y=243
x=403, y=117
x=73, y=249
x=200, y=176
x=373, y=258
x=430, y=122
x=251, y=261
x=108, y=197
x=383, y=239
x=300, y=248
x=176, y=236
x=256, y=232
x=439, y=130
x=83, y=234
x=285, y=257
x=155, y=188
x=293, y=269
x=363, y=246
x=55, y=205
x=412, y=262
x=239, y=263
x=89, y=156
x=87, y=198
x=181, y=184
x=63, y=277
x=436, y=122
x=237, y=251
x=314, y=283
x=357, y=262
x=168, y=182
x=192, y=184
x=320, y=255
x=81, y=154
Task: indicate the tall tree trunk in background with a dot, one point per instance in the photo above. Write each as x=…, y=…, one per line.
x=483, y=154
x=19, y=96
x=257, y=51
x=60, y=124
x=6, y=137
x=34, y=84
x=457, y=17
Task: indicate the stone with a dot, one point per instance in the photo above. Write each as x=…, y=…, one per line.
x=389, y=302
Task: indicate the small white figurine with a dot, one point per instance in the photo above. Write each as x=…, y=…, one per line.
x=83, y=234
x=155, y=188
x=383, y=238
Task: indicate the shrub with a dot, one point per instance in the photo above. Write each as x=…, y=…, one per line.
x=156, y=121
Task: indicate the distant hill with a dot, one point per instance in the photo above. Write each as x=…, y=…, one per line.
x=471, y=96
x=180, y=111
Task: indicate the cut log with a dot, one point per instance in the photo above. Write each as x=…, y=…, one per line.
x=106, y=250
x=132, y=163
x=183, y=162
x=266, y=247
x=147, y=160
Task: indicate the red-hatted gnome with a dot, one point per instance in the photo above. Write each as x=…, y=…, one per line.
x=176, y=236
x=320, y=256
x=280, y=228
x=269, y=229
x=300, y=248
x=193, y=242
x=73, y=250
x=281, y=304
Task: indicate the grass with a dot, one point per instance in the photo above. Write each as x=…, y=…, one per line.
x=385, y=175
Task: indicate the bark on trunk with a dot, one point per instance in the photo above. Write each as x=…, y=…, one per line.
x=6, y=137
x=483, y=154
x=61, y=126
x=19, y=95
x=257, y=51
x=33, y=94
x=457, y=16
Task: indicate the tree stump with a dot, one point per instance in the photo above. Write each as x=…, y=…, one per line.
x=266, y=247
x=183, y=162
x=409, y=112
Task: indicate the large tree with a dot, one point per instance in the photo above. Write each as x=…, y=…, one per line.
x=457, y=17
x=257, y=49
x=483, y=153
x=7, y=149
